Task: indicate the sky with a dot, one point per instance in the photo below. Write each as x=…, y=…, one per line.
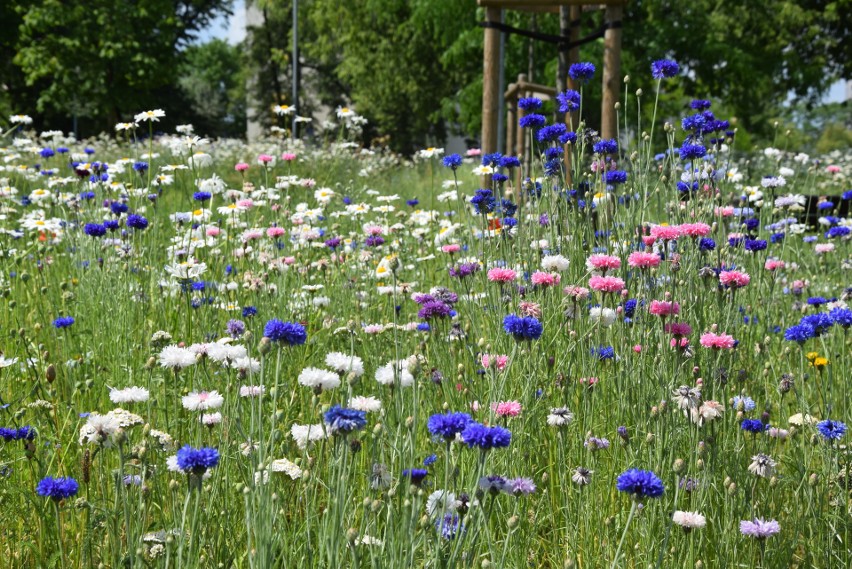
x=233, y=30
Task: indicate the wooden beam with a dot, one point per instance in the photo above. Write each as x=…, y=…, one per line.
x=611, y=73
x=490, y=83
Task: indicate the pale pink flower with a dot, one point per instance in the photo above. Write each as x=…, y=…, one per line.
x=275, y=232
x=212, y=231
x=821, y=248
x=606, y=284
x=241, y=167
x=308, y=183
x=451, y=248
x=501, y=275
x=648, y=240
x=540, y=278
x=373, y=230
x=527, y=308
x=665, y=232
x=734, y=279
x=717, y=341
x=664, y=308
x=265, y=158
x=832, y=169
x=773, y=264
x=578, y=292
x=245, y=204
x=506, y=408
x=288, y=157
x=500, y=361
x=726, y=211
x=289, y=260
x=695, y=229
x=640, y=260
x=202, y=400
x=472, y=152
x=602, y=263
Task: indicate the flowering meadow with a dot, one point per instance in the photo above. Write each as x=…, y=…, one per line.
x=281, y=354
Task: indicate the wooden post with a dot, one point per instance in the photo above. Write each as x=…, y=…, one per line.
x=612, y=71
x=511, y=122
x=572, y=118
x=490, y=83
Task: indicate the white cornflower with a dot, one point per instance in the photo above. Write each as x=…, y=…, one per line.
x=129, y=395
x=305, y=434
x=202, y=400
x=366, y=404
x=176, y=357
x=211, y=419
x=343, y=363
x=98, y=429
x=287, y=467
x=687, y=397
x=604, y=316
x=386, y=375
x=689, y=520
x=554, y=263
x=582, y=476
x=440, y=502
x=559, y=417
x=252, y=390
x=319, y=378
x=762, y=465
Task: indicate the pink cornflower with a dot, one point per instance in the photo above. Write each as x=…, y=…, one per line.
x=832, y=169
x=241, y=167
x=373, y=230
x=637, y=348
x=664, y=308
x=678, y=329
x=602, y=263
x=821, y=248
x=289, y=260
x=471, y=152
x=734, y=279
x=501, y=275
x=275, y=232
x=648, y=240
x=717, y=341
x=451, y=248
x=308, y=183
x=265, y=158
x=527, y=308
x=773, y=264
x=640, y=260
x=541, y=278
x=665, y=232
x=578, y=292
x=695, y=229
x=212, y=231
x=499, y=361
x=506, y=408
x=727, y=211
x=606, y=284
x=288, y=157
x=251, y=235
x=245, y=204
x=588, y=381
x=681, y=343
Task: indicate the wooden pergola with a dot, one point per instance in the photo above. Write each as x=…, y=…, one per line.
x=569, y=42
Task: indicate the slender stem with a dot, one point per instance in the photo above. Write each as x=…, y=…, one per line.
x=624, y=534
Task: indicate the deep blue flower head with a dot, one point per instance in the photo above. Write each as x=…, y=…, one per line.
x=700, y=104
x=751, y=223
x=8, y=434
x=529, y=103
x=755, y=244
x=825, y=205
x=582, y=71
x=63, y=322
x=509, y=162
x=118, y=207
x=197, y=460
x=837, y=231
x=347, y=200
x=799, y=333
x=819, y=322
x=499, y=178
x=491, y=159
x=522, y=328
x=551, y=132
x=249, y=311
x=483, y=201
x=430, y=460
x=508, y=207
x=693, y=122
x=485, y=438
x=747, y=403
x=692, y=151
x=423, y=327
x=630, y=307
x=136, y=221
x=569, y=101
x=140, y=166
x=374, y=241
x=89, y=150
x=412, y=203
x=640, y=484
x=509, y=222
x=606, y=146
x=94, y=230
x=684, y=188
x=344, y=420
x=706, y=244
x=290, y=333
x=87, y=195
x=752, y=426
x=452, y=161
x=25, y=433
x=448, y=425
x=57, y=488
x=417, y=475
x=449, y=526
x=62, y=150
x=831, y=430
x=553, y=167
x=841, y=317
x=664, y=68
x=615, y=177
x=201, y=196
x=847, y=195
x=568, y=138
x=532, y=121
x=603, y=352
x=47, y=152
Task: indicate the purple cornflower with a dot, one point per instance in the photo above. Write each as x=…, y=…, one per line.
x=758, y=528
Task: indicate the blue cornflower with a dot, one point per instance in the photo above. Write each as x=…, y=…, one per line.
x=799, y=333
x=522, y=328
x=692, y=151
x=290, y=333
x=499, y=178
x=342, y=420
x=201, y=196
x=136, y=221
x=430, y=460
x=118, y=208
x=751, y=223
x=249, y=311
x=630, y=307
x=615, y=177
x=683, y=187
x=755, y=244
x=603, y=352
x=841, y=317
x=837, y=231
x=509, y=162
x=63, y=322
x=752, y=426
x=423, y=327
x=700, y=104
x=568, y=138
x=449, y=526
x=47, y=152
x=569, y=101
x=57, y=488
x=417, y=475
x=197, y=460
x=640, y=484
x=551, y=132
x=582, y=71
x=664, y=68
x=825, y=205
x=819, y=322
x=847, y=195
x=831, y=430
x=452, y=161
x=606, y=147
x=485, y=438
x=140, y=166
x=448, y=425
x=94, y=230
x=706, y=244
x=235, y=328
x=483, y=201
x=529, y=103
x=25, y=433
x=533, y=120
x=491, y=159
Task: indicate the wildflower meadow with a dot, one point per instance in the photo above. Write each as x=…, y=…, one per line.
x=610, y=353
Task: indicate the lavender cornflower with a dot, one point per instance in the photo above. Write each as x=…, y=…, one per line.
x=758, y=528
